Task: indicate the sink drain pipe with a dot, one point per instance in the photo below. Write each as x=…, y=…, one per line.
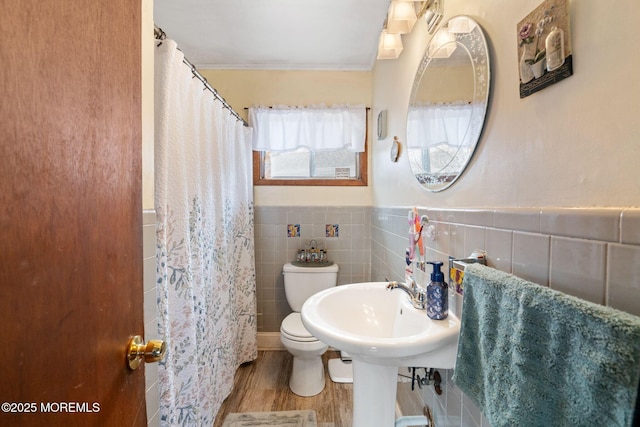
x=412, y=420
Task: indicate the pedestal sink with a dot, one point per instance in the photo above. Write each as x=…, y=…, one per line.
x=381, y=331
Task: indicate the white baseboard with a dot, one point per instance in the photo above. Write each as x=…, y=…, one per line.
x=269, y=341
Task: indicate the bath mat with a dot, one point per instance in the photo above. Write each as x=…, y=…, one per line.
x=271, y=419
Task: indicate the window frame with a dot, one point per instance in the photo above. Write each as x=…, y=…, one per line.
x=361, y=159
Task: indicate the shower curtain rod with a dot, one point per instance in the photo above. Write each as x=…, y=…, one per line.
x=161, y=35
x=271, y=106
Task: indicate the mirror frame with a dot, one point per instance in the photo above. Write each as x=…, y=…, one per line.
x=475, y=45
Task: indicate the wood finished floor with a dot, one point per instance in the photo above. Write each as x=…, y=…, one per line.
x=263, y=385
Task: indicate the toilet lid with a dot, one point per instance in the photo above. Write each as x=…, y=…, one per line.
x=292, y=326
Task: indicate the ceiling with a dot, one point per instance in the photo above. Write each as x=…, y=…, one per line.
x=274, y=34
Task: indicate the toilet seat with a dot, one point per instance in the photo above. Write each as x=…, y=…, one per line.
x=293, y=329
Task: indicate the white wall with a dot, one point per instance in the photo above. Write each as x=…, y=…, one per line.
x=576, y=143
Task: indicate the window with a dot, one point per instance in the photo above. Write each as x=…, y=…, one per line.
x=310, y=146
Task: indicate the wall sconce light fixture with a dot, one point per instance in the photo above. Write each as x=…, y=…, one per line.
x=389, y=45
x=401, y=17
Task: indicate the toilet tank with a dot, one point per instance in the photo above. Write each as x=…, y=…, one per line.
x=300, y=282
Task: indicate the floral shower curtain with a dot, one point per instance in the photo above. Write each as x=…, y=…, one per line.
x=205, y=244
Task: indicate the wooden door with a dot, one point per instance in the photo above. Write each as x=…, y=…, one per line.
x=70, y=212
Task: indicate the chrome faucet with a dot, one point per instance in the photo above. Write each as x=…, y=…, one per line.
x=417, y=295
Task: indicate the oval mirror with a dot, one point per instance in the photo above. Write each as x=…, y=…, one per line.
x=448, y=103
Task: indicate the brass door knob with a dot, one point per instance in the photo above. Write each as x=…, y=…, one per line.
x=138, y=351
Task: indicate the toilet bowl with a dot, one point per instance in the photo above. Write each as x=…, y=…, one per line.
x=301, y=282
x=307, y=373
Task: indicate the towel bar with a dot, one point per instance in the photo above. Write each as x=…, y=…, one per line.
x=457, y=267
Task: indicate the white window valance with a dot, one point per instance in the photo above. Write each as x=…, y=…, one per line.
x=436, y=124
x=318, y=128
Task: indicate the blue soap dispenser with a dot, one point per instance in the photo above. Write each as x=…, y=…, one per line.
x=437, y=294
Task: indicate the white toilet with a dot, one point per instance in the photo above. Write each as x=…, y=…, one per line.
x=307, y=375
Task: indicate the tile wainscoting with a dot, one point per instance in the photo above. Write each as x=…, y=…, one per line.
x=345, y=232
x=593, y=254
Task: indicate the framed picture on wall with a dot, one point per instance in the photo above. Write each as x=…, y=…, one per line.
x=544, y=47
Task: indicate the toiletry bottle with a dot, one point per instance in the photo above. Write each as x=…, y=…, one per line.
x=412, y=236
x=437, y=294
x=554, y=45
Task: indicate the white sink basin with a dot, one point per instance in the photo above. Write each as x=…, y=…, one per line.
x=380, y=326
x=381, y=331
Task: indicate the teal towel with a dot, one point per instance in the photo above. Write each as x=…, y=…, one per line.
x=531, y=356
